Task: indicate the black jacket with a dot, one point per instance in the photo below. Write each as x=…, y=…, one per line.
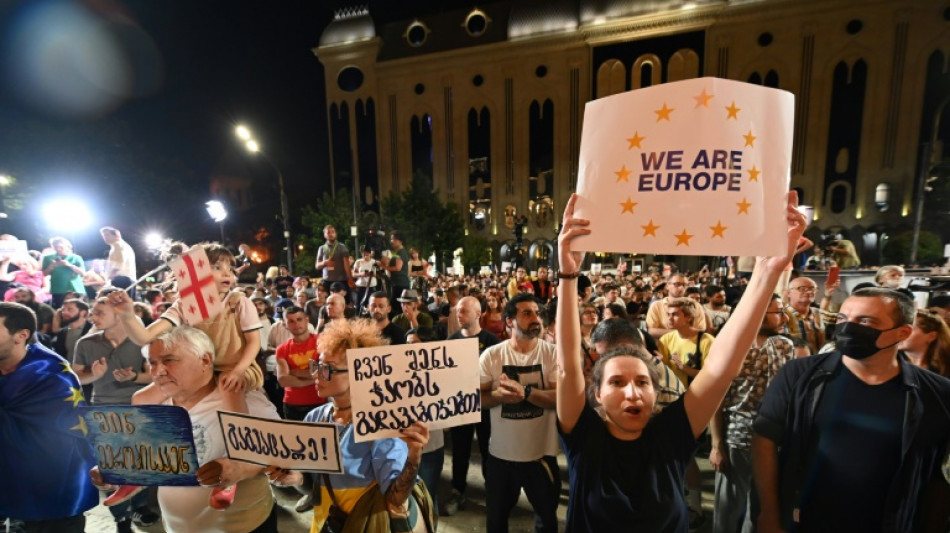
x=918, y=495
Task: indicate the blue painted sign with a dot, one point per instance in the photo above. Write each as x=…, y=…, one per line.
x=143, y=445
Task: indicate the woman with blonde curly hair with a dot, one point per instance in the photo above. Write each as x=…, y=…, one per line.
x=929, y=345
x=379, y=475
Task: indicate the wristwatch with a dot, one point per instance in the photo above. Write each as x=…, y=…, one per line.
x=527, y=392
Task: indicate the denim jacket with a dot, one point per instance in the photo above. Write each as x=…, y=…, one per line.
x=918, y=486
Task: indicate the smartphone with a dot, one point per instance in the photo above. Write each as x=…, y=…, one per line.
x=833, y=274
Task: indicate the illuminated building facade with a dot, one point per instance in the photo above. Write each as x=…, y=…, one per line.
x=488, y=102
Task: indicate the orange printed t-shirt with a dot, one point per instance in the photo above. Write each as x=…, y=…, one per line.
x=298, y=356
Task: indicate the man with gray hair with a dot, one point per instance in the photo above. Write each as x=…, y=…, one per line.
x=182, y=366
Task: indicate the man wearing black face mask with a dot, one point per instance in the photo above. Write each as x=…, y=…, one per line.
x=862, y=431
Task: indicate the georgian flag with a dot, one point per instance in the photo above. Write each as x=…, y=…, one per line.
x=196, y=288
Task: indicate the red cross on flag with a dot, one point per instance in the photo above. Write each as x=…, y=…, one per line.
x=196, y=288
x=693, y=167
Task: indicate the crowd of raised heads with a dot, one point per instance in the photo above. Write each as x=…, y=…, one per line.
x=631, y=375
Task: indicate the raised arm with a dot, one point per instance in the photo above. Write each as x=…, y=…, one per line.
x=570, y=377
x=725, y=357
x=139, y=334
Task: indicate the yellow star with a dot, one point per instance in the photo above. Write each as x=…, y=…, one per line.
x=718, y=230
x=743, y=207
x=702, y=99
x=750, y=139
x=628, y=206
x=623, y=174
x=683, y=238
x=65, y=365
x=733, y=111
x=650, y=229
x=663, y=113
x=81, y=426
x=75, y=397
x=635, y=140
x=754, y=174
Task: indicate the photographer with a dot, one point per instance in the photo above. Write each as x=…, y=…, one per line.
x=843, y=252
x=364, y=272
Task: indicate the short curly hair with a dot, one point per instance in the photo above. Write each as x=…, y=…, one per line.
x=342, y=335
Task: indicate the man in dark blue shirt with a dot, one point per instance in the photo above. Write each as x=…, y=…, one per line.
x=862, y=432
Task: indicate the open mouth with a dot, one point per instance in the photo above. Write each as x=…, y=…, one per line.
x=633, y=410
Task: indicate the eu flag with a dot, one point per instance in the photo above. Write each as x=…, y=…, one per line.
x=45, y=456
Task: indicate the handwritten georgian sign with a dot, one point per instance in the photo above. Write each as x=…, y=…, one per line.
x=694, y=167
x=309, y=446
x=393, y=386
x=142, y=445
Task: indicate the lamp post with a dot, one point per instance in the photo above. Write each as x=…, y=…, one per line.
x=923, y=176
x=218, y=213
x=254, y=147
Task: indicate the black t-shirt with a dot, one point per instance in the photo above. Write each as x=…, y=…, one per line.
x=394, y=333
x=486, y=339
x=634, y=485
x=854, y=455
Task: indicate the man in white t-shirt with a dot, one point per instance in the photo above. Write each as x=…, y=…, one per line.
x=182, y=366
x=121, y=269
x=518, y=379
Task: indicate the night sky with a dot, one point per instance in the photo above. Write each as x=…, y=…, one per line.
x=130, y=106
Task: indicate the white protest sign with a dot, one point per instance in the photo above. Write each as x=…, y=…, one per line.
x=393, y=386
x=309, y=446
x=12, y=248
x=694, y=167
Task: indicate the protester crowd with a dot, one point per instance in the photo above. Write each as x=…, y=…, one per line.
x=818, y=409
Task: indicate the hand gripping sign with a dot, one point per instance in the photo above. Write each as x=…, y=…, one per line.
x=695, y=167
x=393, y=386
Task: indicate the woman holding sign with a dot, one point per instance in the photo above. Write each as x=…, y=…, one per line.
x=627, y=466
x=378, y=476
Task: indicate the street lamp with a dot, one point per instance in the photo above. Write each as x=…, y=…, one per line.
x=218, y=213
x=244, y=133
x=67, y=214
x=923, y=177
x=154, y=240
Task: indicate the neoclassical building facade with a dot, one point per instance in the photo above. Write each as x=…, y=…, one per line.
x=488, y=102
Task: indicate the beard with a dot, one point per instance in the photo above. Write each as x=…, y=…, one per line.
x=532, y=332
x=768, y=332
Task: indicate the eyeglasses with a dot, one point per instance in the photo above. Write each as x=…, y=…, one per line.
x=806, y=290
x=677, y=283
x=775, y=312
x=324, y=371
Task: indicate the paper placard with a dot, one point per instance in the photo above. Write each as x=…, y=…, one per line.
x=506, y=266
x=12, y=248
x=308, y=446
x=694, y=167
x=142, y=445
x=393, y=386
